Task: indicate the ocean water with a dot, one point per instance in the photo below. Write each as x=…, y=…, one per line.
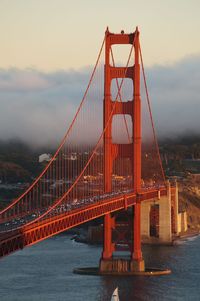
x=45, y=272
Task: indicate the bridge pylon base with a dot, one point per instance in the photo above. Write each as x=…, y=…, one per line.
x=95, y=271
x=137, y=265
x=119, y=265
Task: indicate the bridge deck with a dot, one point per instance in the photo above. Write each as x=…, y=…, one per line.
x=14, y=240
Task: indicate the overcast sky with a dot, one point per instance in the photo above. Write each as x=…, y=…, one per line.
x=48, y=49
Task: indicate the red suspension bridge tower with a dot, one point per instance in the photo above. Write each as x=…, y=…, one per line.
x=132, y=150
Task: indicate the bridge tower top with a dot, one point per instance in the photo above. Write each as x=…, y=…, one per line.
x=132, y=107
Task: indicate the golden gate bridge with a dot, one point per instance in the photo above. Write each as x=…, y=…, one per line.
x=116, y=163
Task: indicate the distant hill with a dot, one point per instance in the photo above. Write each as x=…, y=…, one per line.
x=10, y=172
x=19, y=162
x=175, y=152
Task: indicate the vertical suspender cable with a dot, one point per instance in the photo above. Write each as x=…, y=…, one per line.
x=150, y=112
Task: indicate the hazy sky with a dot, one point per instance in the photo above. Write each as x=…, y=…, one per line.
x=48, y=48
x=60, y=34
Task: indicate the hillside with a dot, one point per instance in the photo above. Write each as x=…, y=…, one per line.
x=181, y=155
x=10, y=172
x=181, y=160
x=189, y=200
x=18, y=162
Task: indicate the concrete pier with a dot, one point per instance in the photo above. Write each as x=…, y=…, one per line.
x=165, y=230
x=169, y=221
x=120, y=265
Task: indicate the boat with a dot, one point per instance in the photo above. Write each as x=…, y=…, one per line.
x=115, y=295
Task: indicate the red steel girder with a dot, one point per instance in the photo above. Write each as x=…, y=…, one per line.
x=28, y=235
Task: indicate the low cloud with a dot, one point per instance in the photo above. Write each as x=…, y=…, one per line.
x=37, y=107
x=175, y=97
x=22, y=80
